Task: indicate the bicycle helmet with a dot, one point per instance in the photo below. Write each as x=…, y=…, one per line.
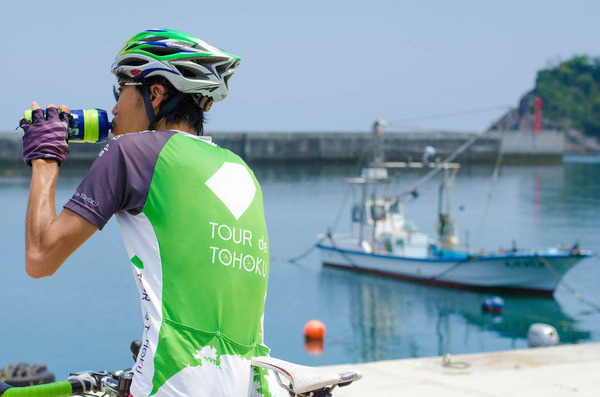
x=189, y=64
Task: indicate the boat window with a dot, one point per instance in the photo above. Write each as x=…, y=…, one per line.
x=377, y=212
x=357, y=213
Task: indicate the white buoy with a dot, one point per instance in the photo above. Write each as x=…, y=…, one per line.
x=540, y=334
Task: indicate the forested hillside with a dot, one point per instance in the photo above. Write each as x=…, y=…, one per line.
x=571, y=95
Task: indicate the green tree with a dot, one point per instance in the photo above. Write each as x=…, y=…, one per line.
x=571, y=94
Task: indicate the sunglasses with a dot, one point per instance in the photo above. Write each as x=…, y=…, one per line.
x=117, y=88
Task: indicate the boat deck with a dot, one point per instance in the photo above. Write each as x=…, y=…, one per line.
x=552, y=371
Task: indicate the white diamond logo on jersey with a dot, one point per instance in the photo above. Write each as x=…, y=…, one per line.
x=234, y=186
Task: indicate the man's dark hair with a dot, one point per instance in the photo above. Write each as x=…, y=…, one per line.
x=186, y=111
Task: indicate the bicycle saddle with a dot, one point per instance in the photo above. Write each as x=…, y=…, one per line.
x=305, y=379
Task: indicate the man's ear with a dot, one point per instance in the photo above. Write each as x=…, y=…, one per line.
x=157, y=95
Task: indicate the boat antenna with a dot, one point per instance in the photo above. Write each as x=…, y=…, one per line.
x=441, y=165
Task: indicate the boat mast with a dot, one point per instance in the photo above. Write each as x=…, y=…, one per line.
x=373, y=174
x=378, y=155
x=446, y=230
x=363, y=214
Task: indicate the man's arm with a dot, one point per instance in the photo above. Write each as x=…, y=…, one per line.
x=50, y=239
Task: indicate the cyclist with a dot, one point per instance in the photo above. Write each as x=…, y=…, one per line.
x=190, y=213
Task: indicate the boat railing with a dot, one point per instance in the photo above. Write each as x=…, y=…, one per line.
x=419, y=164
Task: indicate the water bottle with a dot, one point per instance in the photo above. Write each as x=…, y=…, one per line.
x=89, y=125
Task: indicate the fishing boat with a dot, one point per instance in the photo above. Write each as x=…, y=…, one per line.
x=383, y=242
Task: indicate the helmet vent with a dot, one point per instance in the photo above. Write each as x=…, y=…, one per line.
x=221, y=69
x=130, y=47
x=151, y=39
x=199, y=47
x=161, y=51
x=133, y=62
x=190, y=73
x=226, y=79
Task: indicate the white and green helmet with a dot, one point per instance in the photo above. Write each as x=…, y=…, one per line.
x=190, y=64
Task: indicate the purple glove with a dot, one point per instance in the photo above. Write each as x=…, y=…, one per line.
x=46, y=139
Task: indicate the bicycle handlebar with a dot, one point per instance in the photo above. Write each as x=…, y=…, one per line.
x=109, y=383
x=304, y=381
x=56, y=389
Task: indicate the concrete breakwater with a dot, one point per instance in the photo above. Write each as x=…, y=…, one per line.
x=566, y=370
x=351, y=146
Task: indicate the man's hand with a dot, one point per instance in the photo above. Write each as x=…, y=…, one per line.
x=49, y=239
x=46, y=137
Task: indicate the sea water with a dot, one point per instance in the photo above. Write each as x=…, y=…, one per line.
x=87, y=314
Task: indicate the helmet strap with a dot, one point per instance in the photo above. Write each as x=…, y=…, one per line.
x=169, y=106
x=148, y=104
x=164, y=110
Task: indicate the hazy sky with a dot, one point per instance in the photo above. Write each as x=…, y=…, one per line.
x=323, y=65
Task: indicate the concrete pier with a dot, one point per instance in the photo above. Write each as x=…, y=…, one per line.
x=568, y=370
x=350, y=146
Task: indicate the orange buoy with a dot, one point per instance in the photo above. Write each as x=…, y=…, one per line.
x=314, y=329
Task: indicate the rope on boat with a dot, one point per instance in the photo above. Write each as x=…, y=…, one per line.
x=399, y=122
x=451, y=268
x=352, y=263
x=489, y=196
x=558, y=277
x=363, y=159
x=306, y=252
x=440, y=166
x=310, y=249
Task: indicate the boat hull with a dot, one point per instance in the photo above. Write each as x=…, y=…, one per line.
x=514, y=272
